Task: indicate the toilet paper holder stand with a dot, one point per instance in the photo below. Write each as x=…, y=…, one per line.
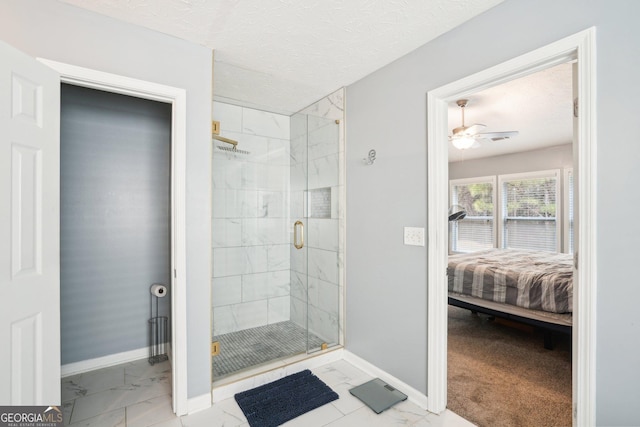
x=158, y=332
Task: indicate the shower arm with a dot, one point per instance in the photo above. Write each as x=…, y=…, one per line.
x=227, y=140
x=215, y=134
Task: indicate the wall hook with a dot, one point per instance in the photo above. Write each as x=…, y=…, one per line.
x=371, y=158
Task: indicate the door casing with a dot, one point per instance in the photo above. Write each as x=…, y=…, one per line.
x=114, y=83
x=580, y=47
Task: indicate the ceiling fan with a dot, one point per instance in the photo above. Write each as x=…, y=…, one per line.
x=465, y=137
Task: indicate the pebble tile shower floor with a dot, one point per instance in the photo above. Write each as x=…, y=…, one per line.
x=252, y=347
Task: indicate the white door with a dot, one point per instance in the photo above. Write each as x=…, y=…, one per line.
x=29, y=231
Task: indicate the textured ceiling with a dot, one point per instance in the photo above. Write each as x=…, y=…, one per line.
x=539, y=106
x=282, y=55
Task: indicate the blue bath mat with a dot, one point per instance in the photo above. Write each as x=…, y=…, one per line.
x=273, y=404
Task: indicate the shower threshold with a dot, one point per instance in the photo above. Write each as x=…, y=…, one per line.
x=254, y=350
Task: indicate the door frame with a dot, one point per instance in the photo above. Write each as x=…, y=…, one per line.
x=114, y=83
x=580, y=47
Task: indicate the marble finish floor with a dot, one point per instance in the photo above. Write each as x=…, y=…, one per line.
x=137, y=394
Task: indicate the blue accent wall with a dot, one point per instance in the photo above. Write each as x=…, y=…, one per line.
x=115, y=223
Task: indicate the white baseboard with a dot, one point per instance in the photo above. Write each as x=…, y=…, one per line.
x=414, y=395
x=198, y=403
x=103, y=362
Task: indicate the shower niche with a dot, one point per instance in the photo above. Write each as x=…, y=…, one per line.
x=278, y=233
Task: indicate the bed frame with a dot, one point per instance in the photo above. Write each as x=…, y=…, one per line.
x=548, y=324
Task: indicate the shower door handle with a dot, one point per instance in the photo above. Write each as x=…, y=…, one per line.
x=298, y=243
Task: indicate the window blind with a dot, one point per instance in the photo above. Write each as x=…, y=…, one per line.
x=475, y=232
x=529, y=213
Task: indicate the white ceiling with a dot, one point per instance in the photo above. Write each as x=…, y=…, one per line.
x=283, y=55
x=539, y=106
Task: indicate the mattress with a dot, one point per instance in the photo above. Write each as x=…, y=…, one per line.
x=529, y=279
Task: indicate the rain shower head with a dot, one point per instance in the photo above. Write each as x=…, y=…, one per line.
x=233, y=149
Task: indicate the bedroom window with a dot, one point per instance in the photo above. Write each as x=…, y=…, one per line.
x=477, y=230
x=530, y=211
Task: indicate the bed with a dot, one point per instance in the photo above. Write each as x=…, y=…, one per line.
x=531, y=287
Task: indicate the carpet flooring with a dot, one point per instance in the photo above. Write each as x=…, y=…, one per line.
x=500, y=374
x=252, y=347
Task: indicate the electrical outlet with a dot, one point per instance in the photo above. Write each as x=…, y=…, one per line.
x=414, y=236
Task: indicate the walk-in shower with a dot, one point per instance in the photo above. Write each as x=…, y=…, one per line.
x=278, y=231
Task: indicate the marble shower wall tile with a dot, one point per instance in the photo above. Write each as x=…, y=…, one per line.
x=226, y=233
x=298, y=313
x=265, y=285
x=323, y=265
x=253, y=232
x=230, y=203
x=323, y=234
x=296, y=205
x=323, y=172
x=298, y=176
x=279, y=309
x=226, y=291
x=298, y=259
x=272, y=204
x=241, y=260
x=277, y=230
x=278, y=258
x=323, y=324
x=229, y=116
x=264, y=123
x=238, y=317
x=298, y=149
x=298, y=126
x=331, y=106
x=323, y=137
x=256, y=145
x=279, y=152
x=250, y=221
x=323, y=309
x=299, y=285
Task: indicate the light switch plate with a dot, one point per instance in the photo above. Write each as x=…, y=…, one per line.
x=414, y=236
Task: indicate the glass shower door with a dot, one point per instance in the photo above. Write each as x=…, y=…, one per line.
x=315, y=273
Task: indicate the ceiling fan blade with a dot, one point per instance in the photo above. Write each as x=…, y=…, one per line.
x=497, y=136
x=468, y=130
x=474, y=129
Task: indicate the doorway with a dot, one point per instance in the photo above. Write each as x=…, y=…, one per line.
x=579, y=47
x=175, y=97
x=514, y=196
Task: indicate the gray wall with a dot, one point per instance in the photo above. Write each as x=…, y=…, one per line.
x=558, y=157
x=115, y=218
x=60, y=32
x=383, y=276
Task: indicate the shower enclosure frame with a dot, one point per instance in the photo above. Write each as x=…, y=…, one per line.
x=329, y=110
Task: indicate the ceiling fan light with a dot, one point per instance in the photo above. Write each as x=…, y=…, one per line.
x=463, y=143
